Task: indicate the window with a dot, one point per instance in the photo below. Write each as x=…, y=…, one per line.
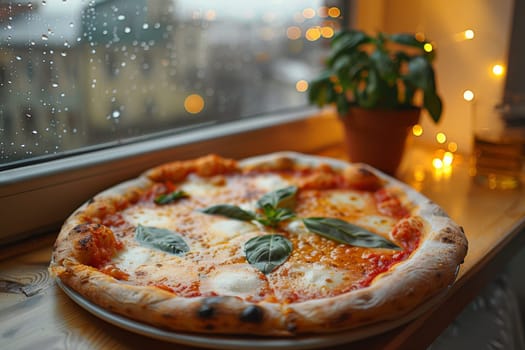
x=94, y=91
x=87, y=74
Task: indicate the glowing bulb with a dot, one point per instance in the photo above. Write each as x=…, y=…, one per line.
x=293, y=32
x=334, y=12
x=309, y=12
x=428, y=47
x=448, y=157
x=437, y=163
x=441, y=137
x=468, y=95
x=469, y=34
x=312, y=34
x=498, y=69
x=193, y=104
x=327, y=32
x=301, y=86
x=417, y=130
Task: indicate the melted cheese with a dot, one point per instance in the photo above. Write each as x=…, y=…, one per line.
x=156, y=217
x=348, y=199
x=271, y=182
x=223, y=230
x=240, y=280
x=378, y=223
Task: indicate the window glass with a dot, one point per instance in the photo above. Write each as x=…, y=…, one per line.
x=79, y=75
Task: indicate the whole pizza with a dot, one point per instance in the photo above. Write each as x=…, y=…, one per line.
x=281, y=244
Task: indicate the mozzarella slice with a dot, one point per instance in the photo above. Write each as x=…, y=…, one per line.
x=240, y=280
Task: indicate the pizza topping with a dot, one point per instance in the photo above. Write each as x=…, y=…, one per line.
x=163, y=239
x=345, y=232
x=240, y=280
x=274, y=206
x=94, y=244
x=170, y=197
x=267, y=252
x=230, y=211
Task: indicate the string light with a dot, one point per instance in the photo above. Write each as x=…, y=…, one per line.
x=417, y=130
x=468, y=95
x=498, y=69
x=469, y=34
x=428, y=47
x=441, y=137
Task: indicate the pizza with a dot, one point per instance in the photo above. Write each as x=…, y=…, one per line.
x=277, y=245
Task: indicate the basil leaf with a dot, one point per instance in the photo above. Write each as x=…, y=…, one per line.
x=161, y=238
x=345, y=232
x=281, y=198
x=267, y=252
x=230, y=211
x=273, y=216
x=170, y=197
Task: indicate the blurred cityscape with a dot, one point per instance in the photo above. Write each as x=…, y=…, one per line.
x=82, y=74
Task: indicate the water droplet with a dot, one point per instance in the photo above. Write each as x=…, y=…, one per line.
x=62, y=94
x=145, y=26
x=55, y=85
x=63, y=54
x=157, y=25
x=71, y=24
x=127, y=30
x=9, y=26
x=115, y=114
x=28, y=115
x=123, y=64
x=34, y=132
x=45, y=37
x=121, y=17
x=44, y=2
x=18, y=58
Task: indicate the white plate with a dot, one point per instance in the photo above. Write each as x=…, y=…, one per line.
x=235, y=342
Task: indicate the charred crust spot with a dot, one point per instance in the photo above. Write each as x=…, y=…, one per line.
x=462, y=230
x=365, y=172
x=91, y=200
x=447, y=240
x=85, y=241
x=252, y=314
x=206, y=311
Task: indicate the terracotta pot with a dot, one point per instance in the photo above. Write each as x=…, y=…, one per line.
x=378, y=136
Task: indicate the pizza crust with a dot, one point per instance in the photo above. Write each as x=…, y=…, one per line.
x=430, y=270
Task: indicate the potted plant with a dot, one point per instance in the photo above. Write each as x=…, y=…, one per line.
x=379, y=84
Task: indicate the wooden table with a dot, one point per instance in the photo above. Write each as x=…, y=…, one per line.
x=36, y=314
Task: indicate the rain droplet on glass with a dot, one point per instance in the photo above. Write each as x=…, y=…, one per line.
x=44, y=37
x=127, y=30
x=55, y=85
x=115, y=114
x=145, y=26
x=121, y=17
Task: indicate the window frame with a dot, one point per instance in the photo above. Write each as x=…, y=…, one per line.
x=37, y=198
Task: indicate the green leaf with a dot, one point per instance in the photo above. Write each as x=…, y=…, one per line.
x=347, y=233
x=267, y=252
x=385, y=66
x=433, y=104
x=230, y=211
x=170, y=197
x=281, y=198
x=346, y=42
x=160, y=238
x=420, y=73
